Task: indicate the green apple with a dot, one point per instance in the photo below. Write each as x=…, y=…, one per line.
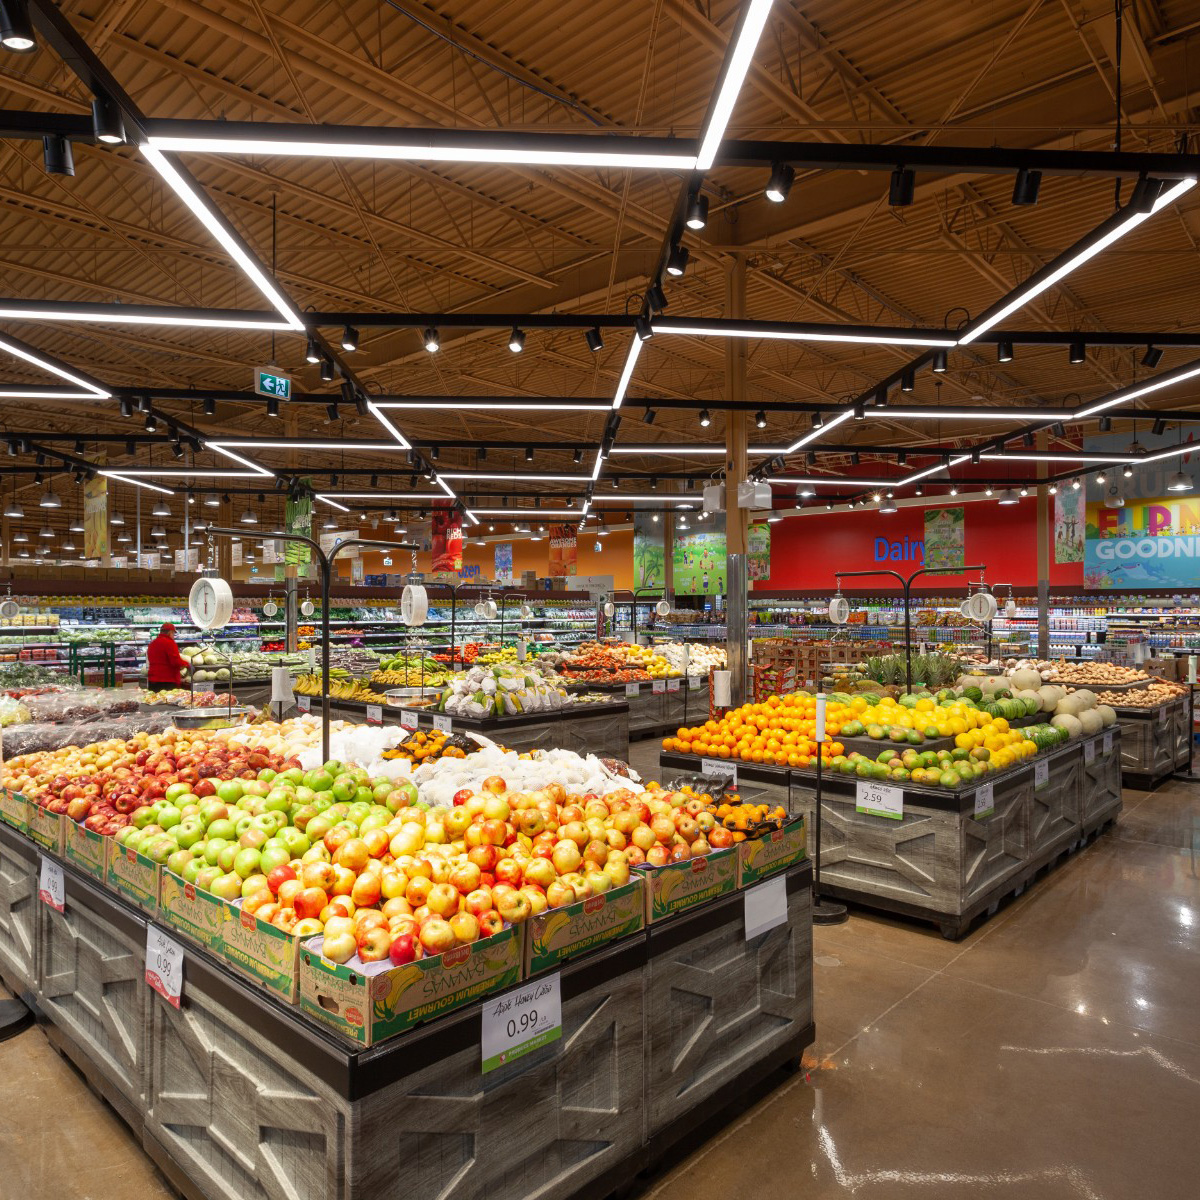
x=228, y=855
x=192, y=868
x=169, y=816
x=333, y=768
x=179, y=859
x=295, y=842
x=301, y=814
x=175, y=790
x=188, y=833
x=322, y=801
x=374, y=820
x=363, y=794
x=160, y=849
x=246, y=862
x=252, y=884
x=381, y=791
x=212, y=850
x=318, y=781
x=293, y=775
x=244, y=822
x=274, y=854
x=145, y=816
x=344, y=788
x=230, y=791
x=223, y=829
x=267, y=774
x=302, y=795
x=206, y=876
x=318, y=827
x=227, y=886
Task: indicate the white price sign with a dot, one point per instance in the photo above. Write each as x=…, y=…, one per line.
x=1041, y=774
x=879, y=800
x=51, y=888
x=304, y=703
x=766, y=907
x=672, y=685
x=659, y=687
x=164, y=965
x=1108, y=743
x=693, y=683
x=408, y=719
x=521, y=1020
x=633, y=689
x=374, y=714
x=985, y=803
x=1162, y=714
x=717, y=768
x=442, y=724
x=1089, y=751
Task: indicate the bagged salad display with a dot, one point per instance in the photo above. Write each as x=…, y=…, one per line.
x=501, y=691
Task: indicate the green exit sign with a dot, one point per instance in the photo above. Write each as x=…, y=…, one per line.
x=267, y=384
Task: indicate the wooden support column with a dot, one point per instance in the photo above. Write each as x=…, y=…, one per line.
x=1044, y=518
x=736, y=519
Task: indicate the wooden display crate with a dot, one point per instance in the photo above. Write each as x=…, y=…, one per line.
x=1154, y=742
x=1056, y=811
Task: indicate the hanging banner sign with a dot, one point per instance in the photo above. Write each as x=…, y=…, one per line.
x=1146, y=544
x=945, y=538
x=95, y=517
x=447, y=537
x=504, y=567
x=564, y=550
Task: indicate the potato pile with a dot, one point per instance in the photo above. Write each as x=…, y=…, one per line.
x=1159, y=692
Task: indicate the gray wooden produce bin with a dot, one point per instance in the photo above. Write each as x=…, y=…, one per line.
x=1155, y=742
x=601, y=729
x=18, y=910
x=1102, y=778
x=237, y=1096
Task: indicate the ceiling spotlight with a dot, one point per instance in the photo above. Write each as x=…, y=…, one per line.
x=1077, y=353
x=648, y=416
x=705, y=419
x=953, y=490
x=780, y=183
x=248, y=517
x=907, y=379
x=888, y=505
x=987, y=491
x=516, y=340
x=1127, y=471
x=1053, y=489
x=654, y=518
x=1152, y=357
x=177, y=449
x=360, y=404
x=212, y=500
x=160, y=509
x=1024, y=491
x=374, y=481
x=578, y=456
x=312, y=352
x=1179, y=482
x=1075, y=484
x=210, y=407
x=860, y=413
x=656, y=298
x=1026, y=186
x=1159, y=427
x=1105, y=424
x=1004, y=351
x=272, y=407
x=1058, y=429
x=760, y=419
x=56, y=155
x=1101, y=477
x=350, y=338
x=643, y=328
x=16, y=30
x=332, y=411
x=529, y=454
x=939, y=362
x=49, y=499
x=327, y=370
x=697, y=211
x=432, y=343
x=901, y=188
x=594, y=338
x=677, y=260
x=1008, y=496
x=151, y=425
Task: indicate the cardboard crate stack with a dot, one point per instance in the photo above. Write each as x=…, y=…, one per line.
x=806, y=660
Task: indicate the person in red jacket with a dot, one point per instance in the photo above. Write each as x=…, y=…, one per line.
x=164, y=661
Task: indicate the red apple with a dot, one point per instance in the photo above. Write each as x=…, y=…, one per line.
x=403, y=949
x=310, y=902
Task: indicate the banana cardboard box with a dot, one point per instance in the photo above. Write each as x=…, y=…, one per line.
x=86, y=849
x=372, y=1001
x=774, y=851
x=14, y=810
x=192, y=911
x=46, y=828
x=559, y=934
x=679, y=886
x=262, y=952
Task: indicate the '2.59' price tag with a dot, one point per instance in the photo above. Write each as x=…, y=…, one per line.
x=164, y=965
x=879, y=800
x=521, y=1021
x=52, y=890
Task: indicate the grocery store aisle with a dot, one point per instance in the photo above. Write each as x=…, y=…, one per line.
x=1052, y=1055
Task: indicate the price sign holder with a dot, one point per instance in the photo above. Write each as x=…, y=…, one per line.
x=693, y=683
x=985, y=801
x=1089, y=751
x=164, y=965
x=766, y=906
x=633, y=689
x=1108, y=743
x=879, y=800
x=1041, y=774
x=659, y=687
x=408, y=719
x=520, y=1021
x=52, y=889
x=442, y=724
x=1162, y=713
x=304, y=703
x=718, y=768
x=672, y=685
x=374, y=714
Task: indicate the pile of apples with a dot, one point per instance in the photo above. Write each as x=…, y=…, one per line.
x=103, y=784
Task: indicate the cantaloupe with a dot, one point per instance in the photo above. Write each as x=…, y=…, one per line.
x=1091, y=721
x=1024, y=679
x=1107, y=714
x=1068, y=722
x=1050, y=695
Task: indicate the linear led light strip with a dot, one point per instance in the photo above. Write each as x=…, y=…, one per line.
x=499, y=409
x=124, y=478
x=977, y=414
x=650, y=498
x=114, y=316
x=798, y=335
x=216, y=226
x=841, y=481
x=954, y=462
x=635, y=348
x=516, y=478
x=90, y=390
x=381, y=496
x=527, y=512
x=184, y=473
x=403, y=442
x=223, y=449
x=658, y=448
x=1166, y=379
x=813, y=434
x=1034, y=289
x=251, y=444
x=1082, y=457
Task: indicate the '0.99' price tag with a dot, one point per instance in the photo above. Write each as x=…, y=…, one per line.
x=374, y=714
x=521, y=1020
x=51, y=888
x=164, y=965
x=304, y=703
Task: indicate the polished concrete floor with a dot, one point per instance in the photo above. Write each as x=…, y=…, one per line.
x=1054, y=1054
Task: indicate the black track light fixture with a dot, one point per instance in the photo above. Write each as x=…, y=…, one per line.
x=360, y=405
x=516, y=340
x=272, y=406
x=578, y=456
x=1077, y=353
x=332, y=411
x=312, y=352
x=901, y=188
x=177, y=450
x=697, y=211
x=1152, y=357
x=760, y=419
x=431, y=340
x=780, y=183
x=108, y=125
x=656, y=298
x=1058, y=429
x=210, y=407
x=151, y=424
x=705, y=419
x=529, y=454
x=481, y=454
x=56, y=155
x=1105, y=424
x=1160, y=427
x=349, y=339
x=975, y=456
x=648, y=416
x=677, y=260
x=1004, y=351
x=1026, y=186
x=594, y=338
x=643, y=328
x=907, y=379
x=940, y=362
x=326, y=370
x=374, y=481
x=130, y=447
x=126, y=407
x=16, y=30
